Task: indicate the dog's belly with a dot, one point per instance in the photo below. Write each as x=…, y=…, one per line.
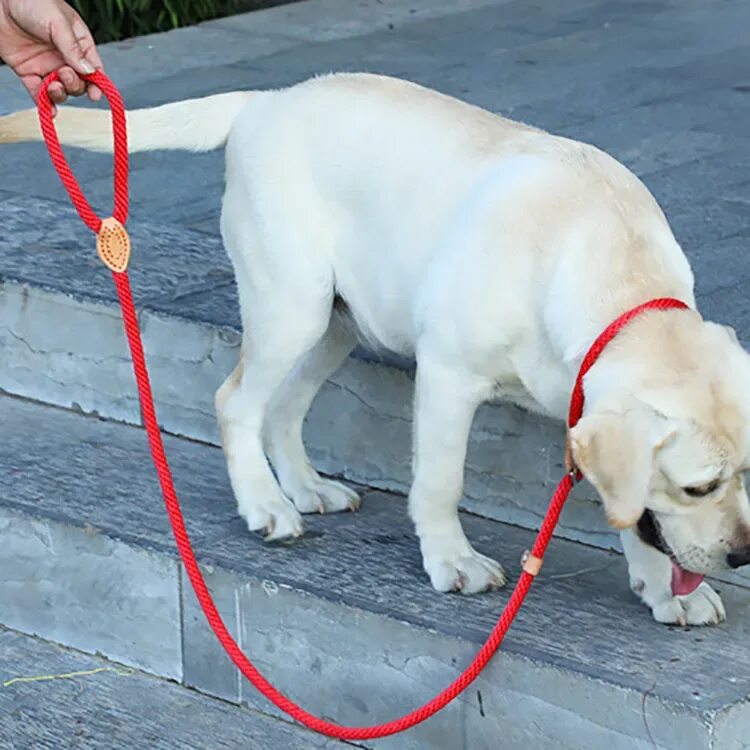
x=510, y=389
x=380, y=334
x=439, y=260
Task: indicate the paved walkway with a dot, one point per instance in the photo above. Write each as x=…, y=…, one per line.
x=664, y=85
x=661, y=84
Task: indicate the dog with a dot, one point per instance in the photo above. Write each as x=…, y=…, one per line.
x=365, y=208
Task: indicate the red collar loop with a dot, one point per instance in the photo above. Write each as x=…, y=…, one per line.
x=576, y=399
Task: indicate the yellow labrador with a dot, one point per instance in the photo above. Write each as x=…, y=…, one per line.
x=494, y=253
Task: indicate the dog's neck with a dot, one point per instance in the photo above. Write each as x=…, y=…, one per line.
x=653, y=352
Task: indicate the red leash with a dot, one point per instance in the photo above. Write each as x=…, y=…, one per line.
x=113, y=245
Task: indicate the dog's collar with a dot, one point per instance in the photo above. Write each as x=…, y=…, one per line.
x=577, y=398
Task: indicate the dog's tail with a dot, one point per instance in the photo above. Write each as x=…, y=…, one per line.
x=190, y=125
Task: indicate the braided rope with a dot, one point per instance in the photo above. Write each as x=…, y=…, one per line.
x=182, y=540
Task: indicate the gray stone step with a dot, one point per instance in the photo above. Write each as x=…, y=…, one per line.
x=344, y=619
x=90, y=703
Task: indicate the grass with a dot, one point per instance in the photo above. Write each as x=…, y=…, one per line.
x=114, y=20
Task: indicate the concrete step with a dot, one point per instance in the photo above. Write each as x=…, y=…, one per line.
x=344, y=619
x=53, y=698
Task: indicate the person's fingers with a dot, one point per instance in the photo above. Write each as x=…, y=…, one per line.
x=70, y=80
x=94, y=92
x=69, y=45
x=86, y=42
x=57, y=92
x=32, y=84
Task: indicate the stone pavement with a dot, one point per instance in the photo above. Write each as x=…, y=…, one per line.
x=661, y=84
x=101, y=705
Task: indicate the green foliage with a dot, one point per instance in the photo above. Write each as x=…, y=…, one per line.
x=110, y=20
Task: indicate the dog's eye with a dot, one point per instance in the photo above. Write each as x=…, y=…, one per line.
x=702, y=490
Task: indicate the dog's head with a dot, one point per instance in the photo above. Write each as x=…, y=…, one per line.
x=667, y=441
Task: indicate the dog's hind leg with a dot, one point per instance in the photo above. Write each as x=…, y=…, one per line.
x=287, y=322
x=285, y=416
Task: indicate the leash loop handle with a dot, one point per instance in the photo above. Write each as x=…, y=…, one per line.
x=120, y=133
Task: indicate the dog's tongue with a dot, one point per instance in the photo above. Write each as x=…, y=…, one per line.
x=683, y=581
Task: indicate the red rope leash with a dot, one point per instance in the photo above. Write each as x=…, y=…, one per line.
x=532, y=561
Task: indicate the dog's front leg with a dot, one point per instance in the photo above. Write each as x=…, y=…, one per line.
x=445, y=403
x=651, y=579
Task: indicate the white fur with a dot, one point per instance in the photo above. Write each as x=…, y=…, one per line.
x=650, y=576
x=193, y=125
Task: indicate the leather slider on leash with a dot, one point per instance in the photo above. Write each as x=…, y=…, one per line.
x=531, y=564
x=113, y=245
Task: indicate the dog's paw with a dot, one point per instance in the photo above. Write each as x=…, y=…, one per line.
x=278, y=519
x=702, y=607
x=324, y=496
x=466, y=573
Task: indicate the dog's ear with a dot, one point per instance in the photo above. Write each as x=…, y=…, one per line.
x=616, y=452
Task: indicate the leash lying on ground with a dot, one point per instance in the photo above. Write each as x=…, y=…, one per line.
x=113, y=246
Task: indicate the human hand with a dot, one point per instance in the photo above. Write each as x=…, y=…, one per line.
x=38, y=37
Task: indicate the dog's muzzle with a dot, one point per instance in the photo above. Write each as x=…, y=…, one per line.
x=649, y=532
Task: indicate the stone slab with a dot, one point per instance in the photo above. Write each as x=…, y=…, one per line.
x=77, y=587
x=112, y=707
x=359, y=426
x=45, y=244
x=328, y=20
x=345, y=620
x=324, y=657
x=568, y=65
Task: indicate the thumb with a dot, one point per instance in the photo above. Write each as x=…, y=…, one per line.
x=73, y=41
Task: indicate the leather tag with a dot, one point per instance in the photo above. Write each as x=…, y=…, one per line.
x=113, y=245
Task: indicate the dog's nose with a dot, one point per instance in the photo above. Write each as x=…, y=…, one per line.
x=739, y=558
